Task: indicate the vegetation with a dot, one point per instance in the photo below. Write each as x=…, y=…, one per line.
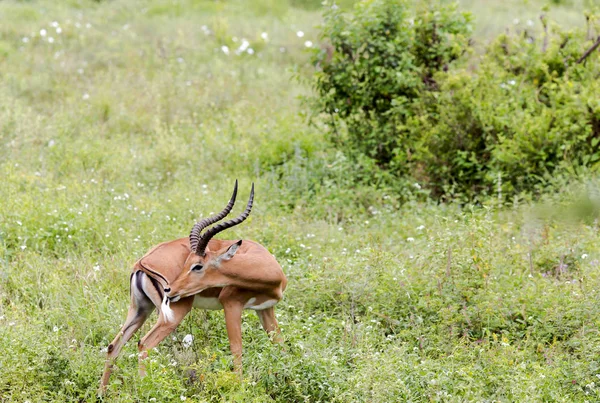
x=415, y=106
x=123, y=122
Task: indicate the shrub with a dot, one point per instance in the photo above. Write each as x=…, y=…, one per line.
x=508, y=121
x=379, y=63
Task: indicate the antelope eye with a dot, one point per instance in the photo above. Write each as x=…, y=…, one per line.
x=197, y=267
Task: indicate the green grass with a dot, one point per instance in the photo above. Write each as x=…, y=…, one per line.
x=118, y=136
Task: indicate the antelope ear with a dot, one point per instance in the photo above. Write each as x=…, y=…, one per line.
x=230, y=251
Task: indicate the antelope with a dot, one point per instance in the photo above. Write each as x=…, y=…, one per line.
x=198, y=271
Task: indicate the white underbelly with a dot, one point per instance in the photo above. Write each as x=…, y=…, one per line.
x=207, y=303
x=251, y=304
x=212, y=303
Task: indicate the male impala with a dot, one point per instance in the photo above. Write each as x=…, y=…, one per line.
x=202, y=272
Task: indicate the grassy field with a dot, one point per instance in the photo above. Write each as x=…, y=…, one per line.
x=122, y=122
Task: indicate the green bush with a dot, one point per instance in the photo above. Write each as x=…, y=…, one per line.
x=394, y=88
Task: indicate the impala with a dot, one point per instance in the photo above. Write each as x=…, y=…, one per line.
x=198, y=271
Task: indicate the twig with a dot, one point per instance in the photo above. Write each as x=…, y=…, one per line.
x=589, y=51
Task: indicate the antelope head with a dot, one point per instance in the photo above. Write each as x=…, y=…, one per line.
x=203, y=267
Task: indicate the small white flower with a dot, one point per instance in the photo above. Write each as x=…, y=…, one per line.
x=530, y=23
x=225, y=49
x=516, y=21
x=88, y=25
x=23, y=247
x=80, y=71
x=43, y=32
x=183, y=398
x=86, y=96
x=417, y=186
x=584, y=256
x=50, y=40
x=55, y=329
x=180, y=60
x=97, y=267
x=512, y=82
x=420, y=228
x=300, y=34
x=25, y=39
x=58, y=30
x=245, y=44
x=265, y=36
x=308, y=44
x=187, y=340
x=51, y=143
x=410, y=239
x=250, y=51
x=11, y=323
x=54, y=24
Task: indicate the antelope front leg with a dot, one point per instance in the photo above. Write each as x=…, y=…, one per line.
x=233, y=301
x=233, y=321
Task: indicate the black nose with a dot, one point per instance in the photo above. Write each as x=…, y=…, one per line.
x=167, y=290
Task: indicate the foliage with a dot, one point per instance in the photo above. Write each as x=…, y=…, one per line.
x=378, y=63
x=526, y=111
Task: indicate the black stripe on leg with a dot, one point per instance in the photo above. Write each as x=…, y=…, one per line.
x=157, y=287
x=138, y=282
x=130, y=277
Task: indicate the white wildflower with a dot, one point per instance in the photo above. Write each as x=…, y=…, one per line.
x=250, y=51
x=300, y=34
x=43, y=32
x=265, y=36
x=584, y=256
x=187, y=340
x=308, y=44
x=55, y=329
x=86, y=96
x=410, y=239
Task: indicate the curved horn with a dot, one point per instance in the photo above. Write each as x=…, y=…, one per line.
x=200, y=225
x=209, y=233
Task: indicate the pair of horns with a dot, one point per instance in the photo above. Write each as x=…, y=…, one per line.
x=198, y=242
